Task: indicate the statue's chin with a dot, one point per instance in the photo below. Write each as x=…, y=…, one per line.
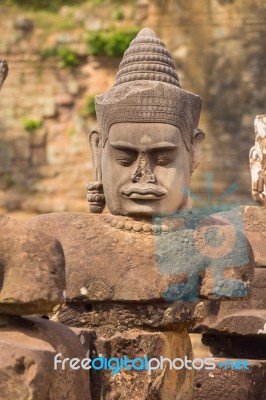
x=143, y=209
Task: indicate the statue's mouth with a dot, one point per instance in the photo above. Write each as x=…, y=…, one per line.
x=147, y=193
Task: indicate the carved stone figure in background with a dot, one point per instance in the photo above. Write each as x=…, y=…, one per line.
x=257, y=160
x=3, y=72
x=237, y=329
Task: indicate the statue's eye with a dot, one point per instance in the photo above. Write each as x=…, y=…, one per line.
x=125, y=161
x=126, y=158
x=163, y=156
x=162, y=159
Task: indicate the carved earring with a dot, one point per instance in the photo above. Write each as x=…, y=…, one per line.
x=95, y=197
x=95, y=193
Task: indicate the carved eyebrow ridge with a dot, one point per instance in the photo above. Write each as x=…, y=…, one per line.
x=120, y=145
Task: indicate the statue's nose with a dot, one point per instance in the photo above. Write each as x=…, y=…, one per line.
x=143, y=173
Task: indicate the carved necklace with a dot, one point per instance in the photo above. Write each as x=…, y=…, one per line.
x=135, y=225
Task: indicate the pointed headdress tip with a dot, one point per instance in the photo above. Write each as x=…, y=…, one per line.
x=146, y=32
x=147, y=59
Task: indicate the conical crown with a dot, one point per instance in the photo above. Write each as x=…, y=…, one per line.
x=147, y=89
x=147, y=58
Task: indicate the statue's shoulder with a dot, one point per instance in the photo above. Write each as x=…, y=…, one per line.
x=62, y=224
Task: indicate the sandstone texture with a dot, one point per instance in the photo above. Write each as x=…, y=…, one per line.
x=119, y=261
x=254, y=220
x=247, y=316
x=28, y=347
x=220, y=384
x=138, y=385
x=32, y=270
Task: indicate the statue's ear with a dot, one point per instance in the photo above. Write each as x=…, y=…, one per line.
x=96, y=150
x=199, y=136
x=195, y=151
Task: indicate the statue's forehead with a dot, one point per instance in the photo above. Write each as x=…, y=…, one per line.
x=145, y=133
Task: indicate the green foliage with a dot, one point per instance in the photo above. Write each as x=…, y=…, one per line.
x=112, y=43
x=96, y=43
x=90, y=106
x=118, y=14
x=66, y=57
x=31, y=124
x=52, y=5
x=48, y=53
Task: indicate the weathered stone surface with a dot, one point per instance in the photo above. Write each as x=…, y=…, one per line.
x=243, y=317
x=138, y=385
x=220, y=384
x=107, y=318
x=254, y=219
x=246, y=322
x=32, y=269
x=28, y=347
x=257, y=161
x=86, y=337
x=128, y=268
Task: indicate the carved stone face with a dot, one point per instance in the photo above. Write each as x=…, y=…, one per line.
x=145, y=169
x=257, y=160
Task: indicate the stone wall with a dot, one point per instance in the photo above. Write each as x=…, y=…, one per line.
x=46, y=169
x=219, y=48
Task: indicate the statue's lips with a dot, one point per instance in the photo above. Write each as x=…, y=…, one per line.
x=148, y=193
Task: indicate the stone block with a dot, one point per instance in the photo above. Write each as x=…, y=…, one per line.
x=255, y=227
x=28, y=347
x=241, y=317
x=220, y=384
x=139, y=385
x=128, y=269
x=32, y=270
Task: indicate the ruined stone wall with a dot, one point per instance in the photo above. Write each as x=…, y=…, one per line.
x=219, y=47
x=46, y=169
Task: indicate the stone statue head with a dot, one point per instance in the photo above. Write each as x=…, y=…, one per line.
x=148, y=141
x=257, y=161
